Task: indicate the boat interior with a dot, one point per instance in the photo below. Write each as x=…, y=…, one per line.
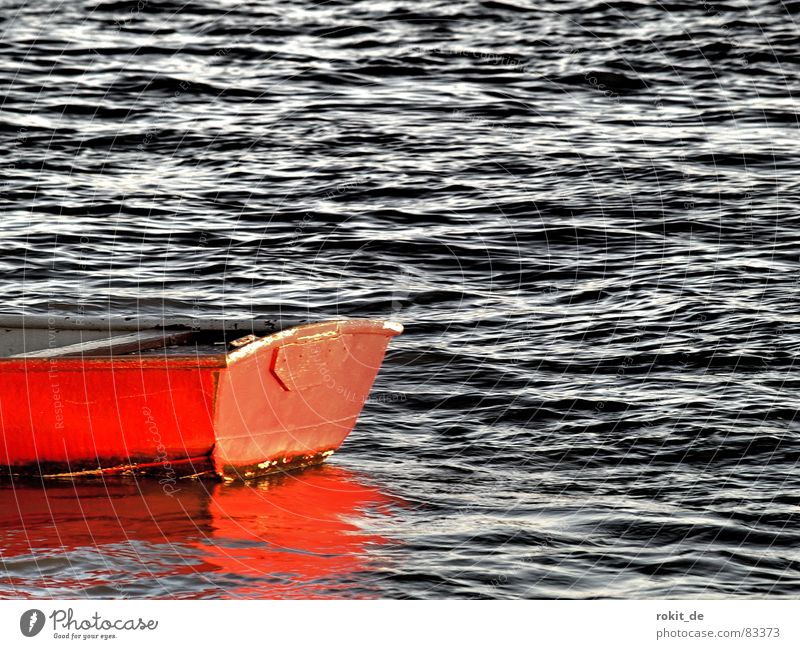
x=55, y=342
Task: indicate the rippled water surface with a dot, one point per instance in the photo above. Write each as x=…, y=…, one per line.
x=585, y=213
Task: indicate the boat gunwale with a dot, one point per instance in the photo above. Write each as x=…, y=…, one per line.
x=132, y=361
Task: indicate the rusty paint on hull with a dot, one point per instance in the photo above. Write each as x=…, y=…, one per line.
x=112, y=467
x=280, y=402
x=273, y=467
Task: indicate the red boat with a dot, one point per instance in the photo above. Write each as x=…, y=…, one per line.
x=81, y=397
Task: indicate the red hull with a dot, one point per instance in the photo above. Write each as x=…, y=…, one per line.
x=285, y=400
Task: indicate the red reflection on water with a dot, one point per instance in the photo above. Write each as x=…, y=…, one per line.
x=295, y=536
x=299, y=531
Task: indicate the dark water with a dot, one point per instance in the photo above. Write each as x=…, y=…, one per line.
x=585, y=213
